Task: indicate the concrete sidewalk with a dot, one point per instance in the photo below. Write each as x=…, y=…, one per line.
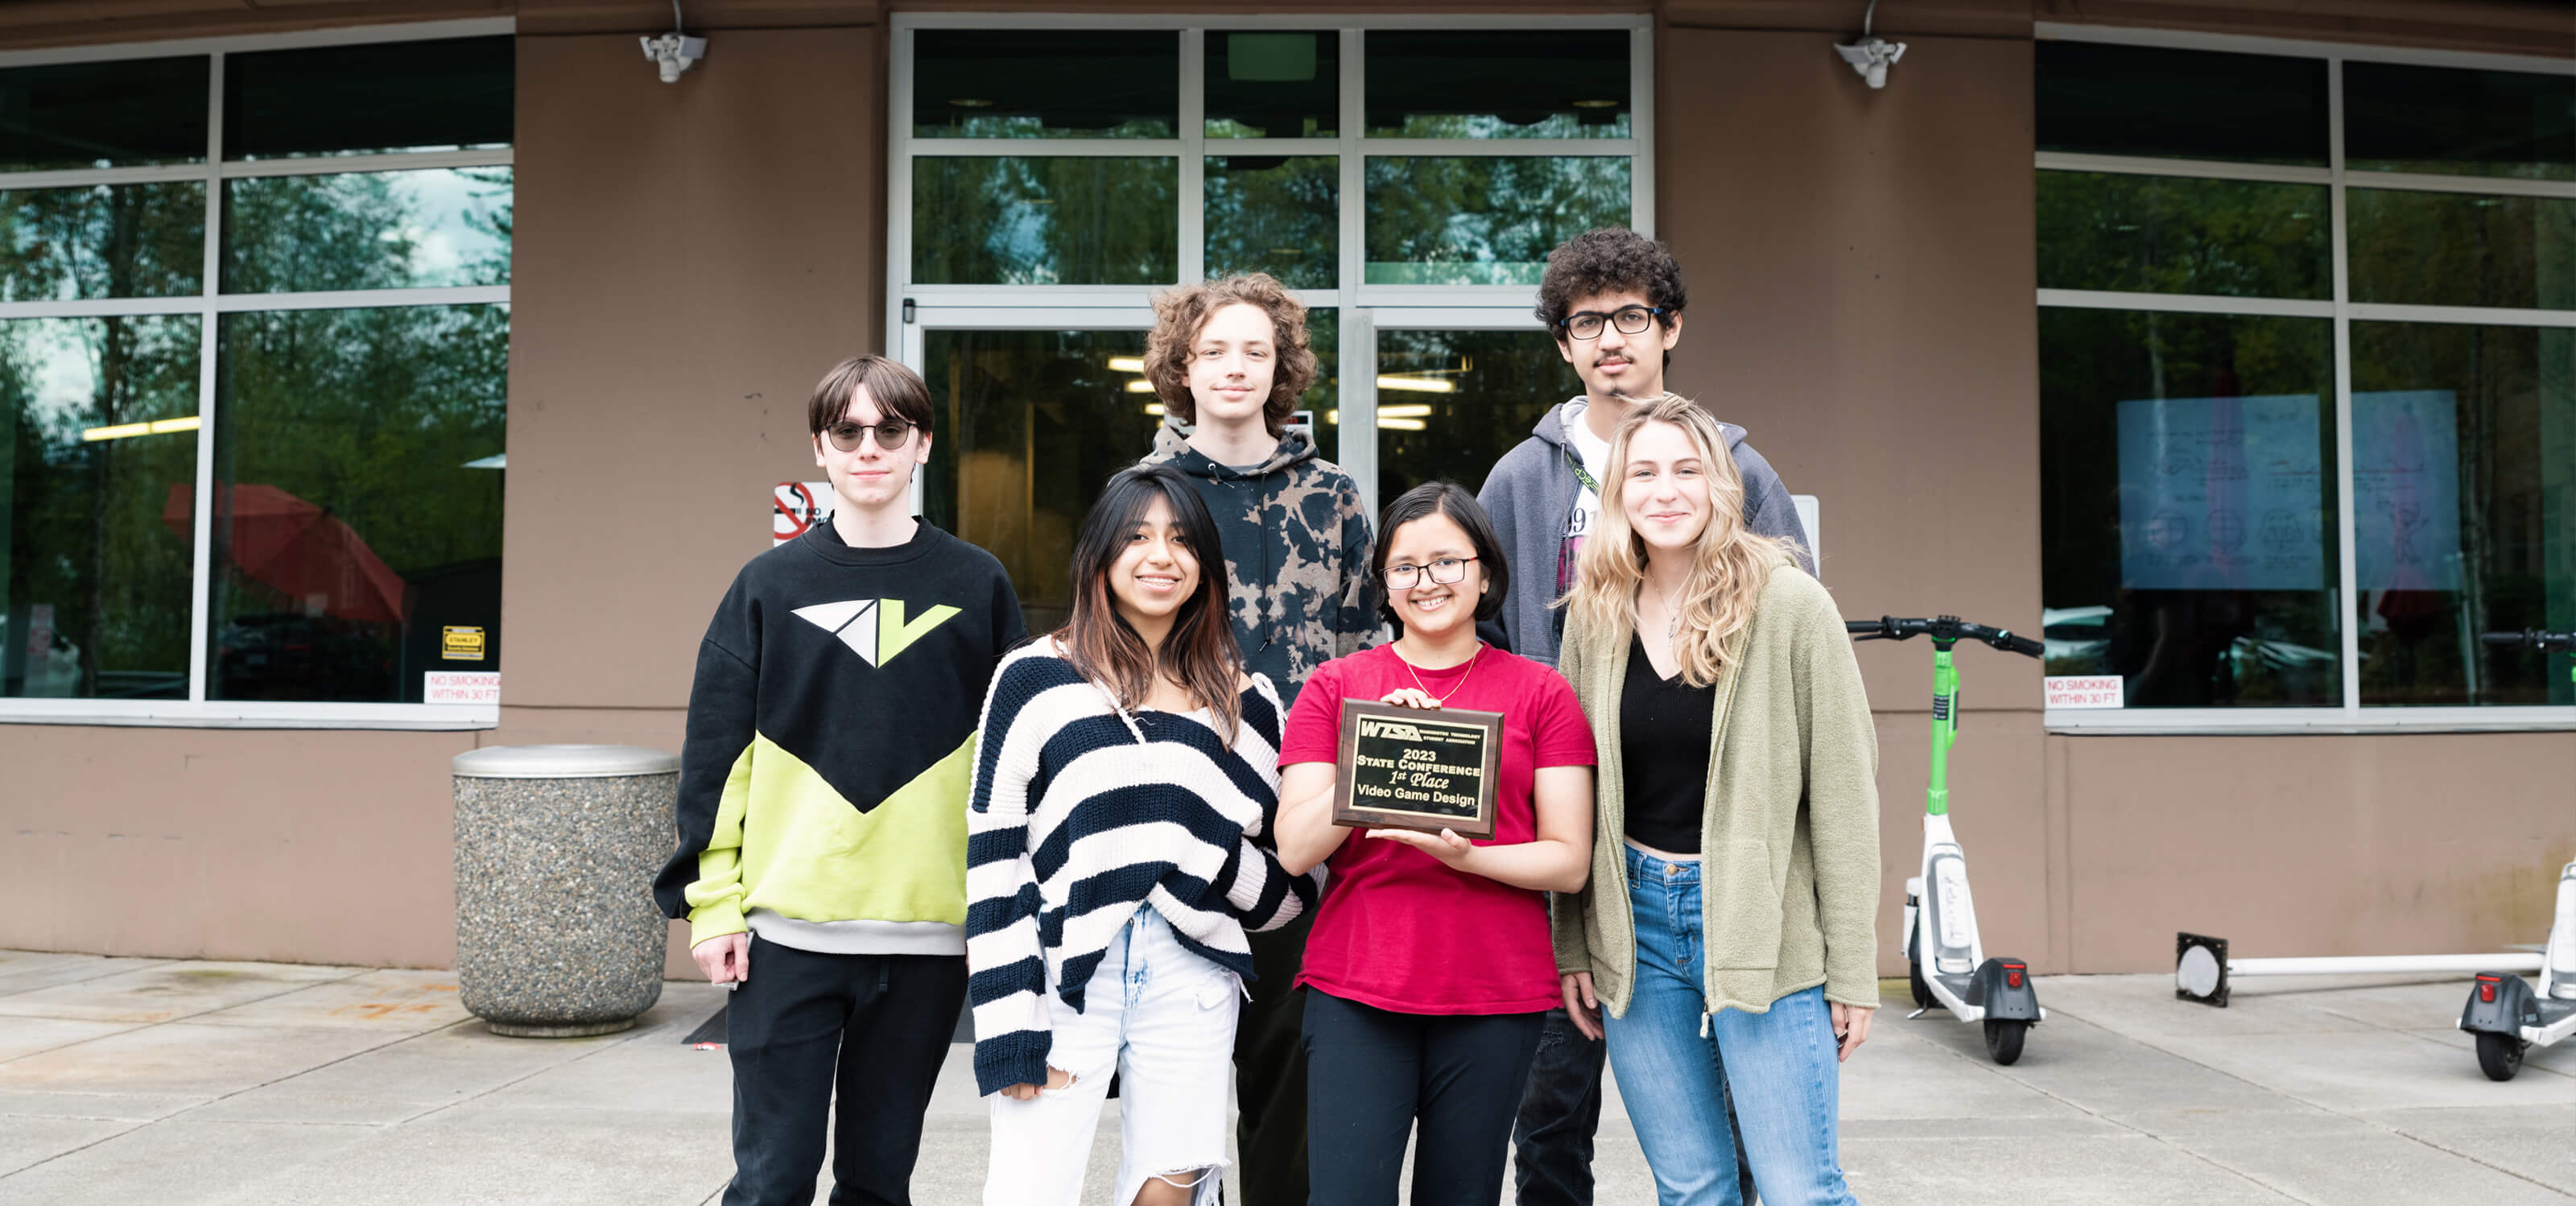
x=127, y=1080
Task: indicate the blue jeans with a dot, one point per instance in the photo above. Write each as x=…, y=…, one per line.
x=1780, y=1065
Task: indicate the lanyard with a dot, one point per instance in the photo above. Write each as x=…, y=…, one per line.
x=1575, y=463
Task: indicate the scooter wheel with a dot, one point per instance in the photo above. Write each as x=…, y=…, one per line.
x=1914, y=980
x=2499, y=1055
x=2003, y=1040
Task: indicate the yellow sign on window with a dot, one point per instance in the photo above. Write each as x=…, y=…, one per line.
x=457, y=643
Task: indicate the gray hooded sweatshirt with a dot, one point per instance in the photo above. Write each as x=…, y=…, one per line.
x=1530, y=496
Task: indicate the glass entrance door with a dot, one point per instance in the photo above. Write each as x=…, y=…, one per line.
x=1030, y=424
x=1453, y=398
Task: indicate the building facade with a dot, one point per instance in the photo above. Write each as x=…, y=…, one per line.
x=2163, y=329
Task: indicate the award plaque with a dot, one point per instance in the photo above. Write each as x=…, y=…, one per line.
x=1417, y=768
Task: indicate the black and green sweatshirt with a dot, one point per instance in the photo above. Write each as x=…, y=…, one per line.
x=831, y=743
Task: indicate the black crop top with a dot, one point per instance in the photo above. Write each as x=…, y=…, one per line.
x=1664, y=729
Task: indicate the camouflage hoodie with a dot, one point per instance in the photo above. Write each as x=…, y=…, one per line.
x=1297, y=548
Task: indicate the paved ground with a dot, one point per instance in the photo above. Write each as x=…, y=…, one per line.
x=127, y=1080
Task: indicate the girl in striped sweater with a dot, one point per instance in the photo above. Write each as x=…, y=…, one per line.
x=1119, y=845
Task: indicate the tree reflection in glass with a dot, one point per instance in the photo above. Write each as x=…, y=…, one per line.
x=368, y=230
x=138, y=240
x=1486, y=220
x=1267, y=213
x=2172, y=234
x=374, y=419
x=1045, y=220
x=2457, y=249
x=98, y=443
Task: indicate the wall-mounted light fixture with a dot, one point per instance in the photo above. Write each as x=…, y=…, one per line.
x=1871, y=56
x=675, y=52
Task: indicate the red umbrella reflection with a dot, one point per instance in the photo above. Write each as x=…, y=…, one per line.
x=298, y=549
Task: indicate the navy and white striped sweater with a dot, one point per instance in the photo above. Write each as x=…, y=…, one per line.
x=1081, y=812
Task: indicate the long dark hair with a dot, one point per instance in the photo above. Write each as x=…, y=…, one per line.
x=1199, y=653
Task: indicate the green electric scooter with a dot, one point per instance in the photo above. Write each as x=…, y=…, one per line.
x=1946, y=962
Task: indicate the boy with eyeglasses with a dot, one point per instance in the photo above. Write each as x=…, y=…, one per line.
x=1613, y=301
x=822, y=811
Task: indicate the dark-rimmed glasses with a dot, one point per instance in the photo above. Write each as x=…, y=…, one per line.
x=1444, y=571
x=891, y=434
x=1631, y=320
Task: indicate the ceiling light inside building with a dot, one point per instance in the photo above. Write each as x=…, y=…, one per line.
x=1415, y=411
x=125, y=431
x=1140, y=386
x=1155, y=409
x=1400, y=424
x=1419, y=385
x=1126, y=364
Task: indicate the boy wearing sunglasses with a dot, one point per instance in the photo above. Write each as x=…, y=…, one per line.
x=822, y=813
x=1613, y=301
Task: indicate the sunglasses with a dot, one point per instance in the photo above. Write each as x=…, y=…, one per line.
x=847, y=436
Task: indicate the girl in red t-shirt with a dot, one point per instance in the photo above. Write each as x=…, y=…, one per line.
x=1430, y=965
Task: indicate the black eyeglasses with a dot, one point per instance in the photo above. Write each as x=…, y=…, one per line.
x=891, y=434
x=1631, y=320
x=1443, y=571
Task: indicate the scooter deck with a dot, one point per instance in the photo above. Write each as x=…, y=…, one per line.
x=2557, y=1023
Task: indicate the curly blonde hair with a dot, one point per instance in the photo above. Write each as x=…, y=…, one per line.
x=1730, y=564
x=1179, y=315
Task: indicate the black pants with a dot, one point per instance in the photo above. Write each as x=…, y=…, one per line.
x=1373, y=1076
x=1561, y=1112
x=874, y=1028
x=1270, y=1071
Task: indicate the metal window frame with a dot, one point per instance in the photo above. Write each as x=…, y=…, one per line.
x=208, y=305
x=2352, y=716
x=1363, y=307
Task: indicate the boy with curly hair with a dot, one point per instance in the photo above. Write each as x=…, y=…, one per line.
x=1228, y=359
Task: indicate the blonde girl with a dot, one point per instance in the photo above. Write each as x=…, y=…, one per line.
x=1727, y=928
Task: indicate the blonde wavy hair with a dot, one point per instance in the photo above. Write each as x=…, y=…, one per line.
x=1729, y=564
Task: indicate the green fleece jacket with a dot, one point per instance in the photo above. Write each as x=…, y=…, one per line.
x=1789, y=840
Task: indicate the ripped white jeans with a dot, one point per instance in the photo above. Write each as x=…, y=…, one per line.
x=1162, y=1017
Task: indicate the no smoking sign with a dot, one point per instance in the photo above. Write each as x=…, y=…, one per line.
x=795, y=507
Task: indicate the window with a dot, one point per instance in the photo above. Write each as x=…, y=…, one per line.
x=254, y=341
x=2308, y=408
x=1405, y=175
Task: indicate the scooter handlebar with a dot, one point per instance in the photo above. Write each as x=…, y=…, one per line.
x=1951, y=628
x=2532, y=637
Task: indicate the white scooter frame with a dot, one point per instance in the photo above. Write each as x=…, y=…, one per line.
x=1946, y=961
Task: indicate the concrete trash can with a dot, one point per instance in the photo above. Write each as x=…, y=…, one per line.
x=556, y=848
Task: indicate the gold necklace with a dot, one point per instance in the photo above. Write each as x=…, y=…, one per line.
x=1438, y=701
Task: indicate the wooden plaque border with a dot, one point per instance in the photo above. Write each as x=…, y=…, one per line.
x=1349, y=816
